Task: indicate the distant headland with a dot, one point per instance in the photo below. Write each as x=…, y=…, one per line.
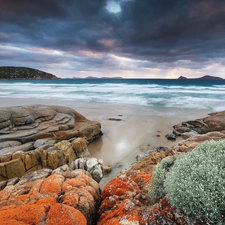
x=93, y=78
x=24, y=73
x=206, y=77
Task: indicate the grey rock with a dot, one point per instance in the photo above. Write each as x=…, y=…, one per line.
x=214, y=122
x=40, y=142
x=100, y=161
x=171, y=137
x=107, y=169
x=115, y=119
x=25, y=147
x=7, y=144
x=161, y=149
x=28, y=137
x=187, y=135
x=36, y=175
x=91, y=165
x=97, y=173
x=13, y=181
x=3, y=184
x=79, y=164
x=182, y=128
x=30, y=123
x=48, y=147
x=62, y=170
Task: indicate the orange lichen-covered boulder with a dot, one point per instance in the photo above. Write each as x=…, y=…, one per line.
x=121, y=199
x=47, y=212
x=121, y=186
x=62, y=196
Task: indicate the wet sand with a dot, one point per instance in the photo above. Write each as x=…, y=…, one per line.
x=133, y=129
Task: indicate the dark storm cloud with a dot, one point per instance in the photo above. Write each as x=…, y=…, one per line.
x=159, y=31
x=172, y=30
x=48, y=23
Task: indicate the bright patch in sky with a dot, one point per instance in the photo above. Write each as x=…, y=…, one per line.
x=113, y=7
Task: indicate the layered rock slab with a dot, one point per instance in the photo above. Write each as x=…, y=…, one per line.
x=61, y=196
x=39, y=136
x=30, y=123
x=214, y=122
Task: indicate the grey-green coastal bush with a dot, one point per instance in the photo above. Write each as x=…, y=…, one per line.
x=196, y=184
x=157, y=191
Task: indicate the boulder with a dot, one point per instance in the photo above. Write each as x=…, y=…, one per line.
x=80, y=147
x=214, y=122
x=66, y=148
x=7, y=144
x=122, y=199
x=30, y=123
x=43, y=142
x=39, y=136
x=171, y=137
x=92, y=165
x=61, y=196
x=23, y=147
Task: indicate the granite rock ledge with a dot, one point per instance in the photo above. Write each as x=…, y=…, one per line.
x=40, y=136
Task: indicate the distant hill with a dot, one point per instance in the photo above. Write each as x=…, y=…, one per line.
x=24, y=73
x=206, y=77
x=90, y=77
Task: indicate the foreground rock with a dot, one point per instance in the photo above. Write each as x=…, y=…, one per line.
x=39, y=136
x=61, y=196
x=30, y=123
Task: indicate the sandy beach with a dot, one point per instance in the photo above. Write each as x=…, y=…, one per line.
x=133, y=130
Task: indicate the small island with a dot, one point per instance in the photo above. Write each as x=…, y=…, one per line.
x=206, y=77
x=24, y=73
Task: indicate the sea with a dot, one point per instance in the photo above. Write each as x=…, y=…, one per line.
x=159, y=93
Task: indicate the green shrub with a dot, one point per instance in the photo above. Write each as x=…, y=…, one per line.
x=157, y=190
x=196, y=184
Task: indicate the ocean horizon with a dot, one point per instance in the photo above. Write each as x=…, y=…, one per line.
x=159, y=93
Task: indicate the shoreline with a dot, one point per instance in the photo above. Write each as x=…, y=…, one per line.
x=141, y=128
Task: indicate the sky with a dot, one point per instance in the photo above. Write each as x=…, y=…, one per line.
x=107, y=38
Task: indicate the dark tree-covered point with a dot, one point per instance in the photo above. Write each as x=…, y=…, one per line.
x=24, y=73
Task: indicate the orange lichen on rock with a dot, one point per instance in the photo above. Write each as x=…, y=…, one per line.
x=120, y=186
x=108, y=203
x=121, y=199
x=46, y=211
x=5, y=193
x=52, y=184
x=142, y=178
x=56, y=199
x=64, y=214
x=71, y=183
x=124, y=213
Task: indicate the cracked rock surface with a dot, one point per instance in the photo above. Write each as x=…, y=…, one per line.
x=61, y=196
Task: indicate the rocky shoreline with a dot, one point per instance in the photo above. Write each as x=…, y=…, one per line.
x=45, y=167
x=130, y=188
